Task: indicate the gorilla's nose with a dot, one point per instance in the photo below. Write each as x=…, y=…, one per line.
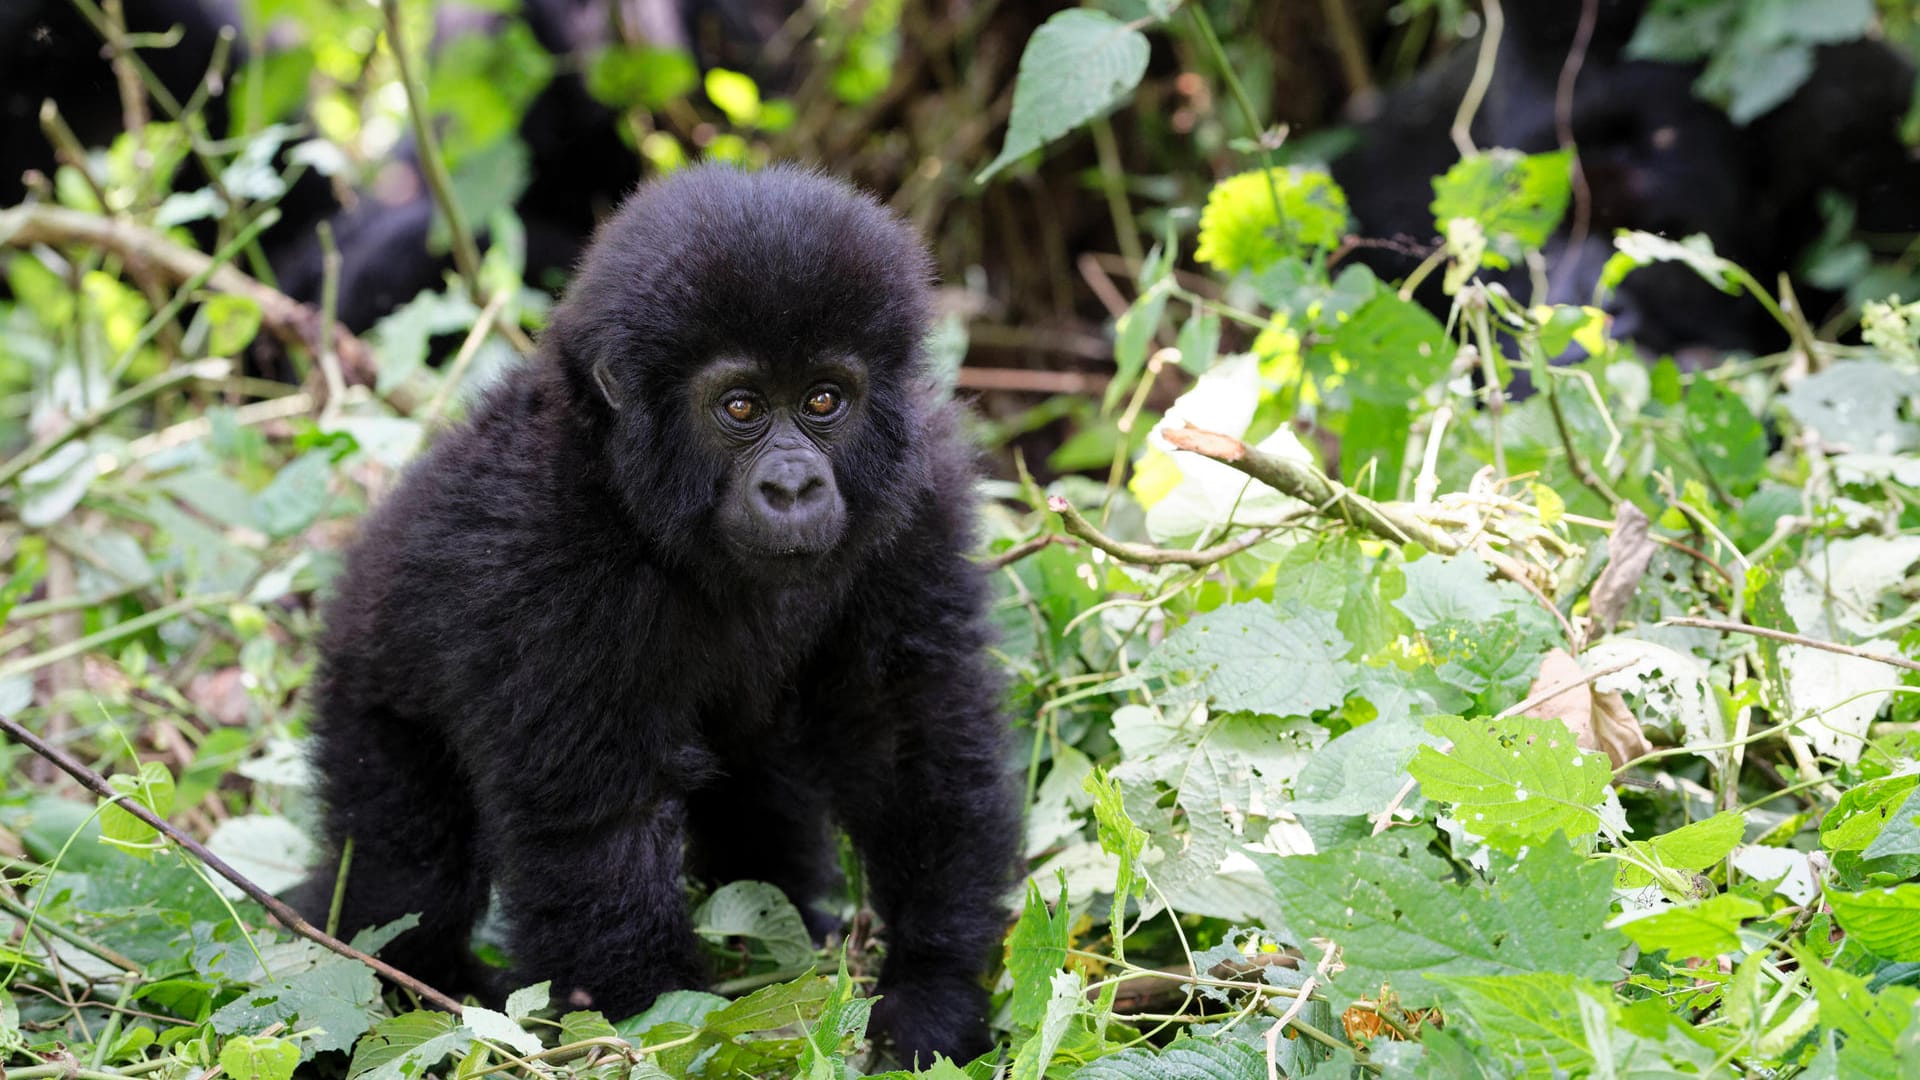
x=789, y=488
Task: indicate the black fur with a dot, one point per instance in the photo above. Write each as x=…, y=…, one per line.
x=544, y=669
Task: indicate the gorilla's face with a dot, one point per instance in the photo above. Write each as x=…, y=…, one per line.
x=778, y=428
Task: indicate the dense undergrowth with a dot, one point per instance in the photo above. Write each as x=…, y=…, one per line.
x=1371, y=721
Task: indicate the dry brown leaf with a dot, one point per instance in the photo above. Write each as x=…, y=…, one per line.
x=1598, y=721
x=1629, y=550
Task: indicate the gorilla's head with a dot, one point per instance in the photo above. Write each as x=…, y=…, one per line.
x=747, y=349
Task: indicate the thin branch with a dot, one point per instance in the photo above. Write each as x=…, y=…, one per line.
x=1792, y=639
x=433, y=164
x=456, y=371
x=126, y=399
x=288, y=917
x=1462, y=130
x=1147, y=554
x=292, y=322
x=1010, y=556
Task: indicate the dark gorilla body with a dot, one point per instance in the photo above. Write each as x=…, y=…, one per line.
x=697, y=574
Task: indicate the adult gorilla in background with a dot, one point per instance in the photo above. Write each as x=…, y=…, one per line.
x=698, y=573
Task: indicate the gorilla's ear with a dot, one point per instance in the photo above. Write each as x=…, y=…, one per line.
x=603, y=382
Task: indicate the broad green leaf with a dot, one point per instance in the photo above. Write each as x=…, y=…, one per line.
x=796, y=1002
x=1185, y=1059
x=1877, y=1024
x=842, y=1022
x=1864, y=811
x=296, y=496
x=1534, y=1016
x=686, y=1007
x=246, y=1057
x=151, y=787
x=1397, y=913
x=1257, y=219
x=1726, y=437
x=271, y=851
x=1689, y=847
x=528, y=1000
x=1902, y=833
x=759, y=912
x=1885, y=921
x=1860, y=404
x=1076, y=67
x=1700, y=929
x=406, y=1046
x=1516, y=779
x=400, y=339
x=1256, y=658
x=1359, y=773
x=1036, y=950
x=736, y=94
x=1199, y=342
x=1516, y=199
x=1393, y=349
x=334, y=996
x=585, y=1024
x=500, y=1029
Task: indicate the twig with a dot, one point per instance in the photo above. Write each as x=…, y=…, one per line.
x=126, y=399
x=112, y=633
x=1311, y=486
x=489, y=316
x=100, y=952
x=1462, y=130
x=1792, y=639
x=1147, y=554
x=133, y=101
x=329, y=324
x=995, y=562
x=288, y=917
x=433, y=164
x=292, y=322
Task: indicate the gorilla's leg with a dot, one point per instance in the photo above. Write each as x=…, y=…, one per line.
x=596, y=906
x=763, y=823
x=393, y=789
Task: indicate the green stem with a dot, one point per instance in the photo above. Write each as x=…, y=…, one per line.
x=466, y=253
x=112, y=634
x=134, y=395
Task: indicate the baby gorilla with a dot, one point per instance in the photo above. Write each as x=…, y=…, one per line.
x=689, y=586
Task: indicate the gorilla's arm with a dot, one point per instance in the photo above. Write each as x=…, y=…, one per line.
x=931, y=808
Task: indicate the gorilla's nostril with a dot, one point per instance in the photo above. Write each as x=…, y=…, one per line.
x=776, y=496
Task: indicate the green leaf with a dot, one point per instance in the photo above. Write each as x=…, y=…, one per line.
x=271, y=851
x=1185, y=1059
x=758, y=912
x=1118, y=835
x=406, y=1046
x=1397, y=913
x=296, y=496
x=1885, y=921
x=499, y=1028
x=1133, y=340
x=1699, y=929
x=1690, y=847
x=687, y=1007
x=1255, y=220
x=400, y=339
x=1876, y=1024
x=1037, y=949
x=796, y=1002
x=1256, y=658
x=1199, y=342
x=152, y=788
x=1067, y=999
x=1516, y=779
x=1516, y=199
x=1637, y=249
x=334, y=996
x=1392, y=350
x=736, y=94
x=842, y=1022
x=232, y=322
x=581, y=1025
x=528, y=1000
x=1902, y=833
x=1859, y=403
x=1864, y=811
x=1534, y=1016
x=1726, y=436
x=1077, y=66
x=246, y=1057
x=647, y=76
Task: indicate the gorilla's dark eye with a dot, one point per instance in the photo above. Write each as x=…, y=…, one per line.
x=743, y=408
x=823, y=402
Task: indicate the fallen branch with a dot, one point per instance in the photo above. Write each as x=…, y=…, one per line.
x=1791, y=639
x=295, y=324
x=288, y=917
x=1147, y=554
